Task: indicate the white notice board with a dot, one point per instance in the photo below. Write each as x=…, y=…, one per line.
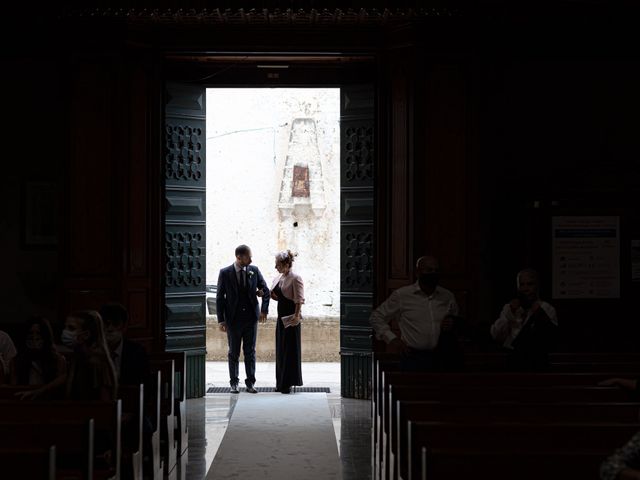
x=586, y=257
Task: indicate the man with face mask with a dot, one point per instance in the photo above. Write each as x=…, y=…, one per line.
x=129, y=358
x=527, y=325
x=424, y=311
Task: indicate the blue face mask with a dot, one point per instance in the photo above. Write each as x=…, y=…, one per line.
x=68, y=338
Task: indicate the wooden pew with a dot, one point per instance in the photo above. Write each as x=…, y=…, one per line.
x=605, y=366
x=464, y=464
x=167, y=413
x=494, y=379
x=381, y=362
x=500, y=412
x=28, y=463
x=74, y=442
x=485, y=394
x=153, y=410
x=8, y=392
x=448, y=380
x=60, y=423
x=386, y=362
x=595, y=357
x=132, y=398
x=180, y=407
x=622, y=368
x=545, y=439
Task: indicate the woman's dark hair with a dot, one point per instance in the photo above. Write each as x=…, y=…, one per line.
x=97, y=342
x=92, y=322
x=47, y=355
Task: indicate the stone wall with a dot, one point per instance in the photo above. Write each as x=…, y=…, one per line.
x=320, y=340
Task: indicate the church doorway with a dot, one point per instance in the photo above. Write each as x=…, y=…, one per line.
x=273, y=183
x=190, y=276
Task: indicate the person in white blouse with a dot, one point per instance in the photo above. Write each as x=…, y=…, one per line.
x=288, y=290
x=424, y=310
x=527, y=325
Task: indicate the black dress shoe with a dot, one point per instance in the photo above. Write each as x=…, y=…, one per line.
x=234, y=389
x=285, y=390
x=250, y=389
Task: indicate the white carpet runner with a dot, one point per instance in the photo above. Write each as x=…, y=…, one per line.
x=284, y=437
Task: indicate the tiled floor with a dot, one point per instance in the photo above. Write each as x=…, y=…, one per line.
x=208, y=418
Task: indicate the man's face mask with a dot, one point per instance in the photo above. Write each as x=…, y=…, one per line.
x=429, y=279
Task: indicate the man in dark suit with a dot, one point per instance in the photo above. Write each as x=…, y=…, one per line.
x=238, y=309
x=132, y=368
x=129, y=358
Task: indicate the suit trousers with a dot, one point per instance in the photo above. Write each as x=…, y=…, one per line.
x=242, y=332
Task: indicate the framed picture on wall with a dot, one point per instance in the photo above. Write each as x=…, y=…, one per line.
x=40, y=214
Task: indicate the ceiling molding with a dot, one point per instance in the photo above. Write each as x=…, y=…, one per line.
x=261, y=17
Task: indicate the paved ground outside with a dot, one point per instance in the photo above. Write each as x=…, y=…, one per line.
x=314, y=374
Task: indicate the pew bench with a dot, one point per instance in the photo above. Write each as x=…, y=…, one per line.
x=511, y=438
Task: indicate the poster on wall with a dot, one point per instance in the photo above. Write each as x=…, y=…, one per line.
x=586, y=257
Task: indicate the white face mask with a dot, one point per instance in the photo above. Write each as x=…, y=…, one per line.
x=114, y=338
x=68, y=338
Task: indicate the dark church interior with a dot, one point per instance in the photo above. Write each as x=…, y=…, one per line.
x=500, y=138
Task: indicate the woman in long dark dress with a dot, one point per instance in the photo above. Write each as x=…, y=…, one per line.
x=288, y=291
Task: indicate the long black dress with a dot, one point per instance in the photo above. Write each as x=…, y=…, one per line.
x=288, y=349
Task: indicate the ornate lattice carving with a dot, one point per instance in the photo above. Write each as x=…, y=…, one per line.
x=184, y=259
x=182, y=13
x=357, y=257
x=359, y=153
x=183, y=150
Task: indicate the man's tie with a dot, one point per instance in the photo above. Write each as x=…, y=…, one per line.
x=243, y=278
x=114, y=359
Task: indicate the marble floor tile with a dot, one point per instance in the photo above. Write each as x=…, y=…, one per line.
x=208, y=418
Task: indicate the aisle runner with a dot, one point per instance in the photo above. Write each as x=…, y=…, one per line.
x=277, y=436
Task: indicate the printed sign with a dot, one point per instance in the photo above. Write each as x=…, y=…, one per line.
x=586, y=257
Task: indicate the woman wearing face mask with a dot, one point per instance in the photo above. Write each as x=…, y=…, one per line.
x=91, y=373
x=38, y=362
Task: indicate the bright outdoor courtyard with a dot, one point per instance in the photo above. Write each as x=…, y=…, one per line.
x=273, y=183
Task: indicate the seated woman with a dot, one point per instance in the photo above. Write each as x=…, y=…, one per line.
x=90, y=374
x=38, y=362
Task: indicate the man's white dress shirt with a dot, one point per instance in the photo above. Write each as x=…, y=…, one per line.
x=419, y=315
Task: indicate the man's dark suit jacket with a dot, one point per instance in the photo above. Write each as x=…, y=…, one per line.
x=134, y=364
x=228, y=293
